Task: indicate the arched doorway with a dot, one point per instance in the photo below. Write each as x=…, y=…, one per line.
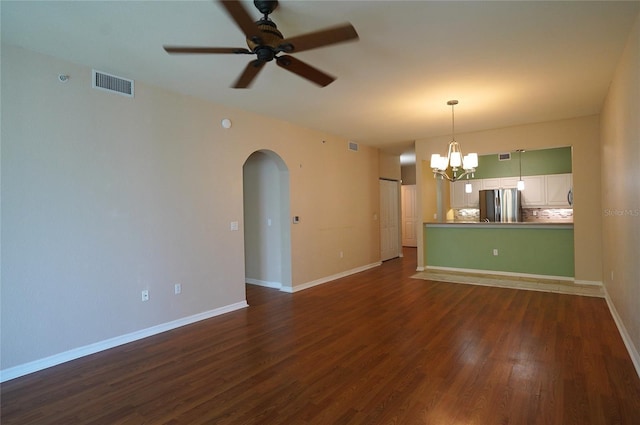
x=267, y=232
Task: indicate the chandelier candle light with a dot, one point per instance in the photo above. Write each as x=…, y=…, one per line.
x=454, y=159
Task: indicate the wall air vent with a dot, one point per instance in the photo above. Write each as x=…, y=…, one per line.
x=353, y=146
x=504, y=156
x=111, y=83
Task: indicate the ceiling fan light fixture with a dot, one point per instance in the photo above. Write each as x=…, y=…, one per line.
x=265, y=54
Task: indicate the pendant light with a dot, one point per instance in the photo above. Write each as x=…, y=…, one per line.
x=520, y=185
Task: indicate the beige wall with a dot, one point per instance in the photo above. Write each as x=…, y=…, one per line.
x=390, y=166
x=580, y=133
x=621, y=194
x=104, y=196
x=408, y=173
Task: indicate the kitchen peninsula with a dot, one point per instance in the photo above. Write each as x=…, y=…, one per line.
x=538, y=242
x=542, y=249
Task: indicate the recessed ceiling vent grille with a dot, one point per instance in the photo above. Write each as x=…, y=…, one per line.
x=353, y=146
x=111, y=83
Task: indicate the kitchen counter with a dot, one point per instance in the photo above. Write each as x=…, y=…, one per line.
x=525, y=248
x=488, y=225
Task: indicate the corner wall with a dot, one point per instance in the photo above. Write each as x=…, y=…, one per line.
x=104, y=196
x=621, y=194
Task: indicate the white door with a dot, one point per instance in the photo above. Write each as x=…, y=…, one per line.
x=389, y=220
x=409, y=215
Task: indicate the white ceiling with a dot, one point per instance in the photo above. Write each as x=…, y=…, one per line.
x=508, y=63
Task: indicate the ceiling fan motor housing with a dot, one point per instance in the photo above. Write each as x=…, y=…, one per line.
x=271, y=39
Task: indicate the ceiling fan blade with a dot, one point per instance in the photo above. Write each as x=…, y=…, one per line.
x=304, y=70
x=241, y=17
x=199, y=50
x=333, y=35
x=250, y=72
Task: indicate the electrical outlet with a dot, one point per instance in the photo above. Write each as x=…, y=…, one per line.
x=495, y=251
x=145, y=295
x=341, y=254
x=177, y=288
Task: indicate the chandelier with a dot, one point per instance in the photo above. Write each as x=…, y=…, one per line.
x=454, y=159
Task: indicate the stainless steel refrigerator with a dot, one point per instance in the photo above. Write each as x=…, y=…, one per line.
x=500, y=205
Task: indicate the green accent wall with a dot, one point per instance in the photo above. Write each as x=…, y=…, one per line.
x=541, y=251
x=534, y=163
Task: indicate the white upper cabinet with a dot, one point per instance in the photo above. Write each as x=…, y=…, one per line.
x=458, y=197
x=473, y=198
x=508, y=182
x=534, y=193
x=461, y=199
x=491, y=183
x=499, y=183
x=551, y=190
x=559, y=190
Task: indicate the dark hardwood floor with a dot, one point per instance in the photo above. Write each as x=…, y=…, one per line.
x=374, y=348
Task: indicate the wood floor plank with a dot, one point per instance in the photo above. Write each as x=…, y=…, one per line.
x=377, y=347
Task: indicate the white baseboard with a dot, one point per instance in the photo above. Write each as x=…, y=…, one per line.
x=588, y=282
x=265, y=283
x=320, y=281
x=499, y=273
x=633, y=352
x=420, y=269
x=56, y=359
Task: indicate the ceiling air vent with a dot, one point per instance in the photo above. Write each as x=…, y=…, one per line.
x=504, y=156
x=111, y=83
x=353, y=146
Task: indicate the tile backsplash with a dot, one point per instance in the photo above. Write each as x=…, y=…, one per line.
x=564, y=215
x=466, y=214
x=530, y=215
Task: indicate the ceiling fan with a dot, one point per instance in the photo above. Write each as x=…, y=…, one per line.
x=267, y=43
